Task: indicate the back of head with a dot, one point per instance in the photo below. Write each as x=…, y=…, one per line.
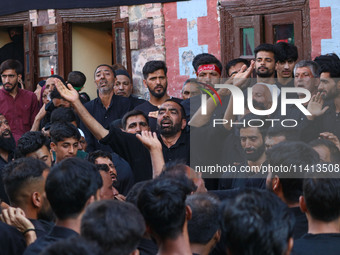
x=329, y=63
x=322, y=198
x=162, y=204
x=153, y=66
x=285, y=51
x=288, y=134
x=61, y=130
x=116, y=226
x=72, y=246
x=30, y=142
x=21, y=178
x=77, y=79
x=264, y=47
x=333, y=150
x=204, y=59
x=256, y=222
x=205, y=218
x=11, y=64
x=70, y=185
x=134, y=192
x=63, y=114
x=290, y=153
x=312, y=65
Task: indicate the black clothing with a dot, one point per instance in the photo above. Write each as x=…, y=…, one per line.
x=12, y=242
x=133, y=151
x=147, y=247
x=301, y=223
x=147, y=107
x=57, y=233
x=328, y=122
x=116, y=110
x=318, y=244
x=42, y=227
x=3, y=163
x=124, y=174
x=135, y=101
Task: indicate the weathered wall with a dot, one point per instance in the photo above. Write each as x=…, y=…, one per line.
x=191, y=28
x=147, y=39
x=325, y=27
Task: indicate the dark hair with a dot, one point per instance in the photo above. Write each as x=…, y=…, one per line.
x=85, y=97
x=322, y=198
x=235, y=61
x=11, y=64
x=204, y=59
x=110, y=67
x=191, y=80
x=133, y=194
x=55, y=94
x=30, y=142
x=76, y=78
x=290, y=153
x=92, y=156
x=63, y=114
x=250, y=116
x=285, y=51
x=289, y=134
x=153, y=66
x=18, y=174
x=70, y=184
x=180, y=106
x=329, y=63
x=265, y=47
x=116, y=226
x=59, y=131
x=178, y=170
x=334, y=151
x=162, y=204
x=72, y=246
x=256, y=222
x=133, y=113
x=205, y=217
x=123, y=72
x=58, y=77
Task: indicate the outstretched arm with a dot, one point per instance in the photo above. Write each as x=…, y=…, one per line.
x=151, y=142
x=71, y=95
x=315, y=106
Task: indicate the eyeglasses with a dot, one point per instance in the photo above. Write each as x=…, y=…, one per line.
x=11, y=76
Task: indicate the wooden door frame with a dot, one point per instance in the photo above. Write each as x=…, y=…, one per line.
x=238, y=8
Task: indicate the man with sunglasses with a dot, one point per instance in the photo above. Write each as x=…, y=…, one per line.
x=18, y=106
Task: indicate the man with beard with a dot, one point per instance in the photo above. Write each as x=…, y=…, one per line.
x=7, y=147
x=252, y=141
x=265, y=63
x=24, y=181
x=171, y=142
x=18, y=106
x=156, y=81
x=107, y=107
x=325, y=105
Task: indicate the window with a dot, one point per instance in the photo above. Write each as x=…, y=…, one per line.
x=245, y=26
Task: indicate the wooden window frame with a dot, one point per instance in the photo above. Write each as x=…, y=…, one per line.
x=229, y=10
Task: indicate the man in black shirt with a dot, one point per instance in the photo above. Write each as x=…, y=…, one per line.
x=156, y=81
x=70, y=187
x=321, y=203
x=170, y=121
x=107, y=107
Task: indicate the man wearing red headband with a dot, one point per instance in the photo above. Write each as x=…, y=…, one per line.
x=208, y=68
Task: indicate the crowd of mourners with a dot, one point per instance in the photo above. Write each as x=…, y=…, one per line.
x=120, y=175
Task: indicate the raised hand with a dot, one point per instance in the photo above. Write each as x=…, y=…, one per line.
x=315, y=106
x=331, y=137
x=69, y=93
x=149, y=140
x=241, y=78
x=16, y=217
